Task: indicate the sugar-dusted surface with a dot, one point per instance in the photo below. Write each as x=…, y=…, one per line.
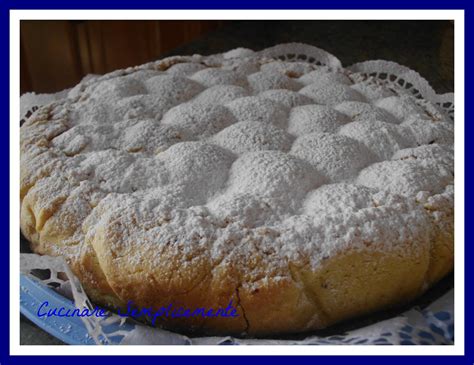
x=270, y=161
x=133, y=135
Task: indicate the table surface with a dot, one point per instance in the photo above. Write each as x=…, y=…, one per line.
x=424, y=46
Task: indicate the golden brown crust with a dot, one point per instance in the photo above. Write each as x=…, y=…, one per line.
x=347, y=285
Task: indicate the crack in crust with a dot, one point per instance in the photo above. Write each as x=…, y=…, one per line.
x=239, y=304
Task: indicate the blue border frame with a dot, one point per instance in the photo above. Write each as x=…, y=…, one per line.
x=7, y=5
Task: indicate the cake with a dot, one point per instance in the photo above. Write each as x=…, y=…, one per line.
x=304, y=193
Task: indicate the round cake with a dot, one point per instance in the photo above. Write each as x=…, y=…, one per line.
x=302, y=193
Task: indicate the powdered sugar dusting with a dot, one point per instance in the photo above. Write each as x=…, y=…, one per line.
x=331, y=93
x=315, y=118
x=336, y=156
x=251, y=136
x=232, y=159
x=258, y=109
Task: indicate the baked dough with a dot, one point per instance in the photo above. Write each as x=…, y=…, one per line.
x=298, y=191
